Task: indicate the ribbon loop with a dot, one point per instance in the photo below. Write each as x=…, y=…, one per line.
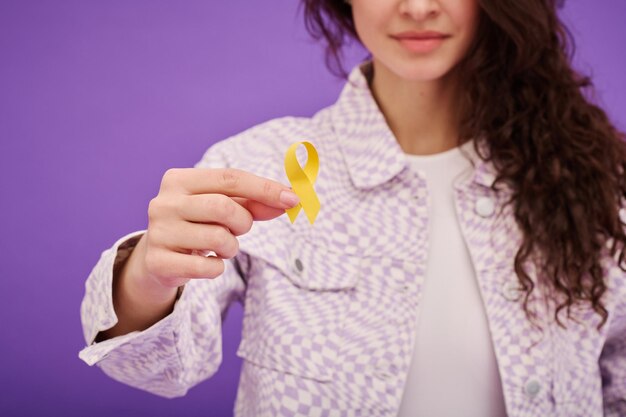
x=302, y=180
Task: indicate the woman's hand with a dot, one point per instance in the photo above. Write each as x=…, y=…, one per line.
x=199, y=210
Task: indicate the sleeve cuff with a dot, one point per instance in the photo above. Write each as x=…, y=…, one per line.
x=168, y=325
x=97, y=311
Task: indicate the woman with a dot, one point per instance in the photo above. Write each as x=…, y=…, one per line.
x=466, y=260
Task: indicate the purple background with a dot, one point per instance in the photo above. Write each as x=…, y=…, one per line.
x=97, y=100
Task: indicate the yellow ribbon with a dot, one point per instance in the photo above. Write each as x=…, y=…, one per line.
x=302, y=181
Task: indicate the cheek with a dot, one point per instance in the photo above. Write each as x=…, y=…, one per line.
x=467, y=15
x=369, y=23
x=360, y=24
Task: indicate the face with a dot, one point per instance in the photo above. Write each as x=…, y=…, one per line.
x=418, y=40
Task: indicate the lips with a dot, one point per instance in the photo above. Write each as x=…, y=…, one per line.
x=421, y=42
x=420, y=35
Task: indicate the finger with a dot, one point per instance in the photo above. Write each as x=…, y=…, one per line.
x=234, y=183
x=258, y=210
x=200, y=236
x=215, y=208
x=172, y=267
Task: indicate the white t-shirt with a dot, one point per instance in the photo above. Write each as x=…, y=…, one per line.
x=453, y=371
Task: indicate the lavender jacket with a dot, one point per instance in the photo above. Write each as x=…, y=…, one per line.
x=330, y=309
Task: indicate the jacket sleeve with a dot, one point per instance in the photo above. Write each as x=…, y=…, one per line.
x=613, y=370
x=177, y=352
x=612, y=359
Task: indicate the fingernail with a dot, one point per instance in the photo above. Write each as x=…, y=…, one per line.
x=288, y=198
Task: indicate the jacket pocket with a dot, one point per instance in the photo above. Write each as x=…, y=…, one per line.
x=295, y=308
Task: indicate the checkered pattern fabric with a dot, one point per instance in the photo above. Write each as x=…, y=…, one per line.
x=330, y=310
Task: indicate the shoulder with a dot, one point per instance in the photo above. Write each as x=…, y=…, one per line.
x=261, y=149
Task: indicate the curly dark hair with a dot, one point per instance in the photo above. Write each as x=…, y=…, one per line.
x=559, y=153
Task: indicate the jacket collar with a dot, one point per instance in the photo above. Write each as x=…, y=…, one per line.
x=368, y=145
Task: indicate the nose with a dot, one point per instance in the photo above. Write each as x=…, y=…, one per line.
x=419, y=9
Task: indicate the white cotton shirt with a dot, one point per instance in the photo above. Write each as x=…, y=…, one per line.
x=453, y=370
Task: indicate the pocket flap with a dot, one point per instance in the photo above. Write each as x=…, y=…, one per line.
x=316, y=267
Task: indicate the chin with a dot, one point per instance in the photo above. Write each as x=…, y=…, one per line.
x=421, y=70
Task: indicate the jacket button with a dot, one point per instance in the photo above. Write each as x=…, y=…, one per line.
x=510, y=291
x=484, y=206
x=298, y=265
x=532, y=388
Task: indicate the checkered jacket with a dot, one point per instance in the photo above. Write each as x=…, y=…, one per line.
x=330, y=309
